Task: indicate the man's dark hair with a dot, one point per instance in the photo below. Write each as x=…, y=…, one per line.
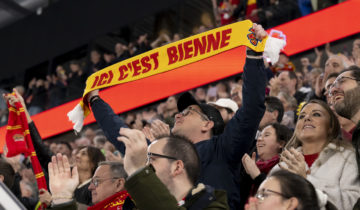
x=8, y=172
x=355, y=72
x=116, y=168
x=272, y=103
x=183, y=149
x=289, y=185
x=66, y=144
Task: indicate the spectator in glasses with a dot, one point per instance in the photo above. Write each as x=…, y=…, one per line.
x=281, y=191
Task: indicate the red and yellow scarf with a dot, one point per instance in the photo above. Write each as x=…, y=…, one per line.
x=115, y=201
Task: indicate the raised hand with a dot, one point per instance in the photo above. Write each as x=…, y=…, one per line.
x=250, y=165
x=136, y=149
x=63, y=181
x=160, y=129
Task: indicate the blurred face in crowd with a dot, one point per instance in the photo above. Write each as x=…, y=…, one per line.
x=74, y=67
x=109, y=57
x=300, y=79
x=236, y=94
x=269, y=196
x=95, y=56
x=286, y=84
x=63, y=149
x=328, y=84
x=82, y=160
x=190, y=121
x=82, y=142
x=104, y=184
x=171, y=103
x=305, y=61
x=53, y=147
x=119, y=48
x=313, y=123
x=356, y=48
x=333, y=64
x=283, y=59
x=90, y=134
x=176, y=37
x=346, y=95
x=200, y=94
x=267, y=145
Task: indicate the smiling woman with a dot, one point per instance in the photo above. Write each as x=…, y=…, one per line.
x=317, y=153
x=269, y=145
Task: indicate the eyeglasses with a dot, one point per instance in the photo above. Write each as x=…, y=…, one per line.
x=339, y=81
x=96, y=181
x=264, y=193
x=150, y=155
x=186, y=111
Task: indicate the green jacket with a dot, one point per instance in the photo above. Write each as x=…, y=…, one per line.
x=148, y=192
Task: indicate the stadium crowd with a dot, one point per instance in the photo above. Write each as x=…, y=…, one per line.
x=246, y=142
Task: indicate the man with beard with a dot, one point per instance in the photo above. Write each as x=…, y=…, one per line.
x=345, y=93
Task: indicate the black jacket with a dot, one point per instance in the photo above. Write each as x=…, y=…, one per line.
x=219, y=155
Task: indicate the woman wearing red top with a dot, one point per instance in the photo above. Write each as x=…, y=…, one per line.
x=317, y=152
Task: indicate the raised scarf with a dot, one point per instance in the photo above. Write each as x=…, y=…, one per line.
x=174, y=55
x=18, y=140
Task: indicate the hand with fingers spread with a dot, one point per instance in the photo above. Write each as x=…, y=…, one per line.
x=136, y=149
x=63, y=181
x=295, y=162
x=160, y=129
x=250, y=165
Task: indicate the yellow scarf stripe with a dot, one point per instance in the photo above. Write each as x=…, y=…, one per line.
x=12, y=109
x=26, y=132
x=15, y=127
x=39, y=175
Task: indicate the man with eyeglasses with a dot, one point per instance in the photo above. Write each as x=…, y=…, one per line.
x=167, y=180
x=106, y=186
x=220, y=149
x=345, y=94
